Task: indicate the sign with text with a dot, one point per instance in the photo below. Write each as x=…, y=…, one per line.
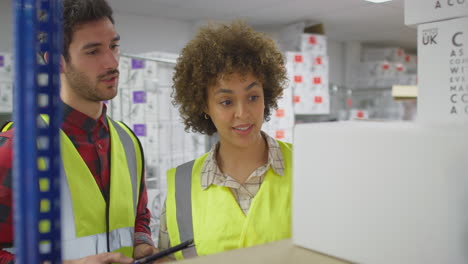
x=443, y=71
x=426, y=11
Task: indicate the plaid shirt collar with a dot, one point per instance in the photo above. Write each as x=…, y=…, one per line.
x=210, y=168
x=82, y=121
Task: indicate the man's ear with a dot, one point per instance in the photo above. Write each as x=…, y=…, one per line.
x=62, y=64
x=62, y=61
x=46, y=56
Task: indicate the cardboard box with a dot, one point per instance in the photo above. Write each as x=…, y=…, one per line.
x=314, y=43
x=383, y=54
x=6, y=97
x=443, y=72
x=426, y=11
x=280, y=252
x=382, y=192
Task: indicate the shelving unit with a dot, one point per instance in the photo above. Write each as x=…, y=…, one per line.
x=36, y=168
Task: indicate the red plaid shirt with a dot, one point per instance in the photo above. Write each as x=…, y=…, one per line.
x=91, y=139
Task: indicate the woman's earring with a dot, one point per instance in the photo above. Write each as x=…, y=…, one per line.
x=206, y=116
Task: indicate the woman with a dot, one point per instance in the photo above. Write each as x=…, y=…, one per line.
x=227, y=81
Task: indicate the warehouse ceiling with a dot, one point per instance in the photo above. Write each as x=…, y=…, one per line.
x=344, y=20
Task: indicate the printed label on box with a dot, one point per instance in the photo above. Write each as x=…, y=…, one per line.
x=318, y=61
x=138, y=64
x=298, y=58
x=140, y=130
x=2, y=61
x=359, y=114
x=400, y=67
x=318, y=99
x=280, y=112
x=139, y=97
x=312, y=40
x=298, y=79
x=279, y=134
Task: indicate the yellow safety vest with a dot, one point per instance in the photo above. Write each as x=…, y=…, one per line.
x=83, y=208
x=213, y=218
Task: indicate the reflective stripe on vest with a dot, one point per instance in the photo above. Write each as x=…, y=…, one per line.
x=183, y=196
x=6, y=127
x=83, y=220
x=215, y=219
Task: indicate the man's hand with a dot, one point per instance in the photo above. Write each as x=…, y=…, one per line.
x=144, y=250
x=103, y=258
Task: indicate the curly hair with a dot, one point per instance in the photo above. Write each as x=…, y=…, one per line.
x=78, y=12
x=224, y=49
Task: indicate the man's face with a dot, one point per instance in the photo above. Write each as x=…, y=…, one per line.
x=92, y=70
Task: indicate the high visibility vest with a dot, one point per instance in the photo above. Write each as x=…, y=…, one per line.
x=83, y=209
x=213, y=218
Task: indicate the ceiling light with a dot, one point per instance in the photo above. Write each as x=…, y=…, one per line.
x=378, y=1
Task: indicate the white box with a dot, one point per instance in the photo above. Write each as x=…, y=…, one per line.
x=443, y=72
x=6, y=97
x=383, y=54
x=295, y=62
x=358, y=114
x=425, y=11
x=411, y=64
x=314, y=43
x=382, y=193
x=283, y=134
x=377, y=69
x=310, y=102
x=306, y=62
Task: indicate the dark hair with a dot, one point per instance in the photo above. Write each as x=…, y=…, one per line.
x=224, y=49
x=78, y=12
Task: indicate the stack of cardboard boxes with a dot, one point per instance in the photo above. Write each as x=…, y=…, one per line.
x=308, y=75
x=384, y=67
x=6, y=83
x=307, y=89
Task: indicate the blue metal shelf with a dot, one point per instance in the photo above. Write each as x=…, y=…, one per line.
x=37, y=30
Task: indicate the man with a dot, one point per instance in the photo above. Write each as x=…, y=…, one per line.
x=111, y=218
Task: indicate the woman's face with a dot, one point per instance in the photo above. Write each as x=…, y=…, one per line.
x=236, y=107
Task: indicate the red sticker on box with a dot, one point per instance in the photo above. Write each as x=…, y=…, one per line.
x=280, y=112
x=298, y=79
x=279, y=134
x=317, y=80
x=360, y=114
x=297, y=99
x=399, y=67
x=385, y=66
x=349, y=102
x=408, y=58
x=312, y=40
x=318, y=99
x=298, y=58
x=318, y=60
